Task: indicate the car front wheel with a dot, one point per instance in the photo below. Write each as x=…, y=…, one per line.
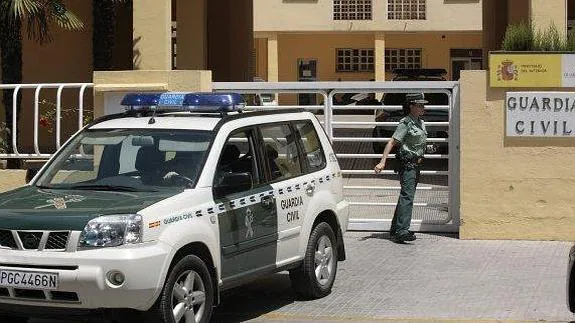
x=188, y=295
x=315, y=277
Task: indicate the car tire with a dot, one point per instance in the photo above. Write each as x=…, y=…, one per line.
x=571, y=291
x=316, y=275
x=189, y=288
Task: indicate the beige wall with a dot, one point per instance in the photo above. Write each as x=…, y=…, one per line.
x=510, y=189
x=68, y=58
x=230, y=40
x=192, y=35
x=261, y=51
x=442, y=15
x=547, y=12
x=436, y=50
x=152, y=35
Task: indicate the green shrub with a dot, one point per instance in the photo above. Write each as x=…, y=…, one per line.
x=549, y=40
x=570, y=44
x=519, y=37
x=524, y=37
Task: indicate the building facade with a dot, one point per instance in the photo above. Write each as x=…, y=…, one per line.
x=360, y=40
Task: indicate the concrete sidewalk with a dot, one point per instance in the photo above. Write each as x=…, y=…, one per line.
x=435, y=279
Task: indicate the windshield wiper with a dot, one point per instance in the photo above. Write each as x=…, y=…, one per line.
x=118, y=188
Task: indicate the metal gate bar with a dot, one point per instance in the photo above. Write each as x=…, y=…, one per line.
x=451, y=223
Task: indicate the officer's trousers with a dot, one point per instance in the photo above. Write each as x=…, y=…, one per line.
x=408, y=178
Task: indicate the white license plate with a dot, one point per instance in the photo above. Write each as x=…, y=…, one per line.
x=28, y=279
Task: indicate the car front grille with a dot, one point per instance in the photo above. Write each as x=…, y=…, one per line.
x=34, y=240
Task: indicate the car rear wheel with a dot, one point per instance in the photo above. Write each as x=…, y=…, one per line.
x=188, y=295
x=315, y=277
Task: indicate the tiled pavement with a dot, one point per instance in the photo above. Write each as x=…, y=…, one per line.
x=438, y=278
x=434, y=279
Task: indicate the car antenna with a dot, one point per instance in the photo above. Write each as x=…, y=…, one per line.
x=152, y=120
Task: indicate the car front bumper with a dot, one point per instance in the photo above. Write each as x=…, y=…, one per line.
x=83, y=279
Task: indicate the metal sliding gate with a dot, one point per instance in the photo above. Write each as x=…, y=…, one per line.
x=351, y=129
x=350, y=126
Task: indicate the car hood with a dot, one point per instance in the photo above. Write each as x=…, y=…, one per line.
x=32, y=208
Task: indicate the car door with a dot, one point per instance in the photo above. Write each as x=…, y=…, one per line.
x=248, y=218
x=292, y=187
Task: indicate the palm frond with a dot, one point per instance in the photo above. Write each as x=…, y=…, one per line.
x=69, y=21
x=23, y=8
x=62, y=16
x=38, y=27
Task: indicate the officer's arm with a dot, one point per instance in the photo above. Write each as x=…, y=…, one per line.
x=390, y=144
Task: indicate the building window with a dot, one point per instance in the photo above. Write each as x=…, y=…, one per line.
x=402, y=58
x=352, y=9
x=354, y=60
x=406, y=9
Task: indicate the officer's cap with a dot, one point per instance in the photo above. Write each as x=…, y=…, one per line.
x=415, y=98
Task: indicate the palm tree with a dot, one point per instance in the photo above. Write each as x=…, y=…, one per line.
x=39, y=17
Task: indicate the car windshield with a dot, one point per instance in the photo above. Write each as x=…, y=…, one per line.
x=128, y=160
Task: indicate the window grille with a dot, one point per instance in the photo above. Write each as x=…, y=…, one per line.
x=406, y=9
x=402, y=58
x=354, y=60
x=352, y=9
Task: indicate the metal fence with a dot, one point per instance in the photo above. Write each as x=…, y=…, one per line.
x=372, y=197
x=34, y=123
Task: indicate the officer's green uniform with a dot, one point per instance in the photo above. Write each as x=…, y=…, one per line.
x=412, y=136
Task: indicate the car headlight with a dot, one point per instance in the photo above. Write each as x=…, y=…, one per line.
x=112, y=231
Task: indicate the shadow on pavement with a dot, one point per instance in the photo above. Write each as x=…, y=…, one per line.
x=387, y=236
x=255, y=299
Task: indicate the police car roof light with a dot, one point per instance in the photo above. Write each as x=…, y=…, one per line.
x=216, y=102
x=192, y=102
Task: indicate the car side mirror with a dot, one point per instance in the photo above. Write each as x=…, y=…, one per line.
x=230, y=183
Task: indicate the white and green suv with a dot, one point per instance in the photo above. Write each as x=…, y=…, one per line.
x=153, y=212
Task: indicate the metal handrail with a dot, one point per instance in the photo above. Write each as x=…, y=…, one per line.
x=37, y=154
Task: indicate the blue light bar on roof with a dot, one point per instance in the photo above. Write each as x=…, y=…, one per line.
x=202, y=102
x=141, y=99
x=224, y=102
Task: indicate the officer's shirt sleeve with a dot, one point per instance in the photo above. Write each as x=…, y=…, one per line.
x=400, y=131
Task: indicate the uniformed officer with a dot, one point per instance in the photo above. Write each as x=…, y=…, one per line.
x=411, y=137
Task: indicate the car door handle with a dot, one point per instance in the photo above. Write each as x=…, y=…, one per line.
x=310, y=189
x=267, y=201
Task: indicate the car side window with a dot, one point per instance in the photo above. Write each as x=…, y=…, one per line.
x=313, y=151
x=281, y=151
x=237, y=167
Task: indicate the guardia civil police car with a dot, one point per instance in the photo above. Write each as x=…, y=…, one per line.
x=162, y=207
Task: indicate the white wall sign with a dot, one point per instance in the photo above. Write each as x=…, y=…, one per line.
x=540, y=114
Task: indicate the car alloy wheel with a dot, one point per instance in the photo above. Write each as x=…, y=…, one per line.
x=188, y=297
x=316, y=275
x=324, y=260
